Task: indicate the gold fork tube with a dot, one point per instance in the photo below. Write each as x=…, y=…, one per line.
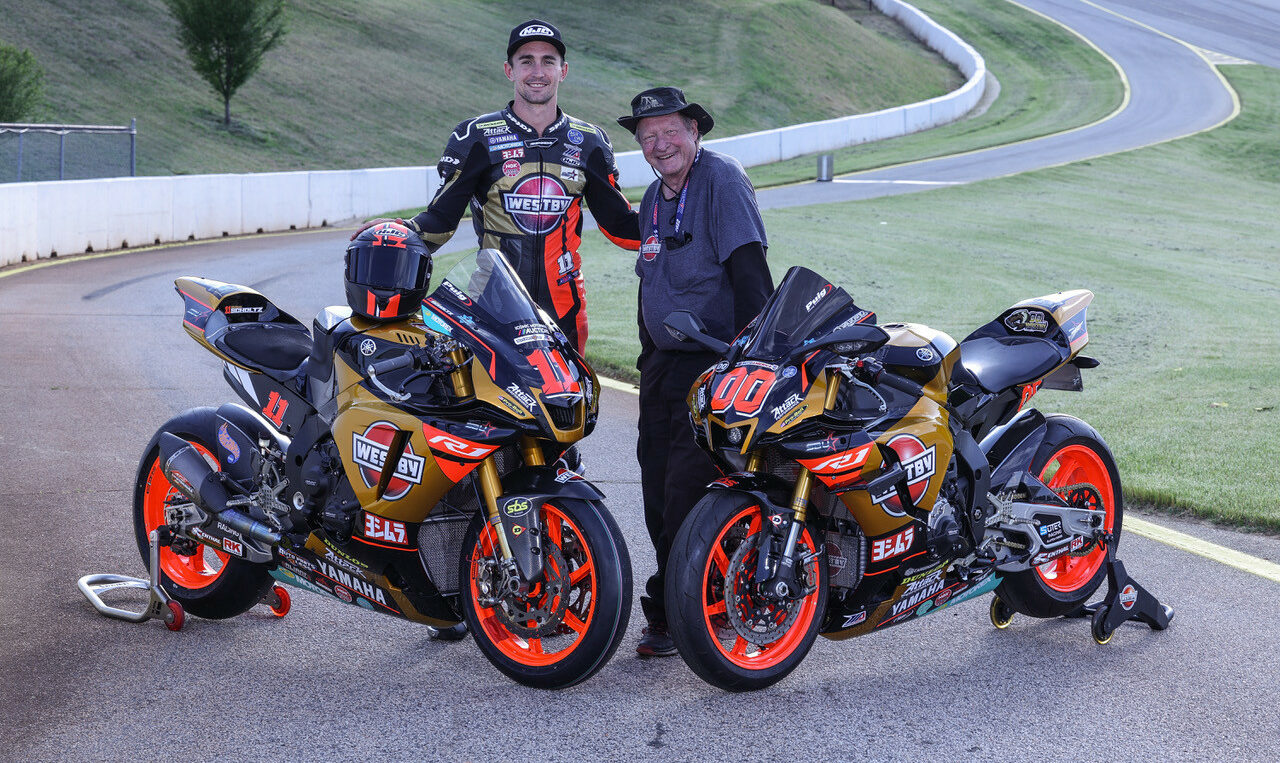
x=532, y=452
x=755, y=462
x=461, y=380
x=490, y=489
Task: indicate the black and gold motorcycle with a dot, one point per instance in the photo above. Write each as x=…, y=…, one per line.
x=879, y=473
x=403, y=467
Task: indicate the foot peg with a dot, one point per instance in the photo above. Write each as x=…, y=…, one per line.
x=159, y=604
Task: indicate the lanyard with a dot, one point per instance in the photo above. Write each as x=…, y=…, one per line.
x=684, y=195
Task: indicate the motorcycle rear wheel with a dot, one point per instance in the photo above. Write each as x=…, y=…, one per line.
x=210, y=583
x=708, y=550
x=1072, y=453
x=596, y=606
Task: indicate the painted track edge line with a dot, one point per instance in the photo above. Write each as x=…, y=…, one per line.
x=1193, y=545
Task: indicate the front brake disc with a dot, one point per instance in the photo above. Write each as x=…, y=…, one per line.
x=539, y=613
x=754, y=617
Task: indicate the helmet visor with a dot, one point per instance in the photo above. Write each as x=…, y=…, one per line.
x=384, y=267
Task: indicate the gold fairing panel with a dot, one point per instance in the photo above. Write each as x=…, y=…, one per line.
x=916, y=336
x=813, y=404
x=923, y=438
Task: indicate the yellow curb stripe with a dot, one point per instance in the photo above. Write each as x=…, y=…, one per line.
x=1193, y=545
x=621, y=386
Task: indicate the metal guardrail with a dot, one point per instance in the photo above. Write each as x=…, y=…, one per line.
x=21, y=130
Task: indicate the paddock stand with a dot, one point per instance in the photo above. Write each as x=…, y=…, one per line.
x=1125, y=600
x=159, y=604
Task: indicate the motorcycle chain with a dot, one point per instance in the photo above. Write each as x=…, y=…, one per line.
x=1084, y=495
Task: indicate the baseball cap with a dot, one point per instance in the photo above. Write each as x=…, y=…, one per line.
x=532, y=30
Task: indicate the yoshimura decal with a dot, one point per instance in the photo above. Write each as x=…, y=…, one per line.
x=894, y=545
x=389, y=530
x=369, y=452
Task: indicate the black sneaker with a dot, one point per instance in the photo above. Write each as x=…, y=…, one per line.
x=655, y=641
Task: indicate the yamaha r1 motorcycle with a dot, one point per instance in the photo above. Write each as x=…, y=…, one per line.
x=879, y=473
x=401, y=467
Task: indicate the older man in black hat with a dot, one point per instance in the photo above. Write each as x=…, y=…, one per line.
x=703, y=249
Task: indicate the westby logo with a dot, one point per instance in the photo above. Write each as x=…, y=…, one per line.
x=919, y=463
x=650, y=248
x=537, y=203
x=1128, y=597
x=369, y=452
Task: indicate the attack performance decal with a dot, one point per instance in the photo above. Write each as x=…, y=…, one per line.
x=537, y=203
x=369, y=452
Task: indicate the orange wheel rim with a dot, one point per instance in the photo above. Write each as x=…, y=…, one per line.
x=581, y=594
x=1072, y=465
x=714, y=607
x=194, y=572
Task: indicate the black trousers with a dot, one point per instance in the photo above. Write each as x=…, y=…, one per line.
x=673, y=470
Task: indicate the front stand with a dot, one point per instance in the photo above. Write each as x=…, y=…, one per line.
x=159, y=604
x=1125, y=600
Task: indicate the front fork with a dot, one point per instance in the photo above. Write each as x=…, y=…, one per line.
x=782, y=580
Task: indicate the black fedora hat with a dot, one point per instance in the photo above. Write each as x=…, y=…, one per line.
x=532, y=30
x=658, y=101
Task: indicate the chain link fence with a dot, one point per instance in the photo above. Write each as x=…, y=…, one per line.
x=30, y=152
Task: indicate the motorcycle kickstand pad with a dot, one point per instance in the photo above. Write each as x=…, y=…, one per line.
x=158, y=603
x=1126, y=600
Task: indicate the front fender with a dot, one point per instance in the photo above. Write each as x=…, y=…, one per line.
x=524, y=491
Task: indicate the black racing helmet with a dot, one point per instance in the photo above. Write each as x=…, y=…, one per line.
x=388, y=270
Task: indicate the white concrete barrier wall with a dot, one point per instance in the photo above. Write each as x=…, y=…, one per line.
x=67, y=217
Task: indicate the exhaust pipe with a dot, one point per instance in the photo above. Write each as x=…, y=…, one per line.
x=191, y=475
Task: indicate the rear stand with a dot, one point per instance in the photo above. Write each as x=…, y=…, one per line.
x=159, y=604
x=1125, y=600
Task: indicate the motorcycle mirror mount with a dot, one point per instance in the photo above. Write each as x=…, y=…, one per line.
x=685, y=326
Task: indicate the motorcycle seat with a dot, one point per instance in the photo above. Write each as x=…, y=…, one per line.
x=997, y=363
x=275, y=349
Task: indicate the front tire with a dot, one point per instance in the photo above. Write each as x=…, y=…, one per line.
x=210, y=583
x=713, y=559
x=586, y=586
x=1072, y=454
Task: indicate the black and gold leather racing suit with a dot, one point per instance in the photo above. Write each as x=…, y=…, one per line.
x=525, y=192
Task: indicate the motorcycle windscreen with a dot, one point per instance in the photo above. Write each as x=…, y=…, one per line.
x=806, y=306
x=492, y=313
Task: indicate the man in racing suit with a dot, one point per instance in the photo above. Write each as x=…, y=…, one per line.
x=525, y=171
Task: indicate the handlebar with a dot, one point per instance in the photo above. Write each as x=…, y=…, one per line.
x=873, y=371
x=422, y=358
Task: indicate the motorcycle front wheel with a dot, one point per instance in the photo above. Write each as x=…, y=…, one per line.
x=728, y=633
x=571, y=620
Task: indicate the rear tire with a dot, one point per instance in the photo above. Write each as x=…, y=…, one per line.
x=711, y=538
x=596, y=606
x=1072, y=453
x=210, y=584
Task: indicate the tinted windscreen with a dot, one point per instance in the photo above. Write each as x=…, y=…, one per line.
x=803, y=302
x=384, y=267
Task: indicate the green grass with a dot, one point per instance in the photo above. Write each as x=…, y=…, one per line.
x=1049, y=81
x=1181, y=244
x=381, y=82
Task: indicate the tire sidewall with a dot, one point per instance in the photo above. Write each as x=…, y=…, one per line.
x=241, y=584
x=612, y=600
x=1026, y=592
x=684, y=597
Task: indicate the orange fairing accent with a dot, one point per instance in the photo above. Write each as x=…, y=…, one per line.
x=625, y=243
x=838, y=469
x=455, y=456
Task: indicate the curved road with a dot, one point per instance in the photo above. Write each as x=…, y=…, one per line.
x=93, y=358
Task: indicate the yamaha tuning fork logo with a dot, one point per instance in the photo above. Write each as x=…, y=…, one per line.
x=536, y=203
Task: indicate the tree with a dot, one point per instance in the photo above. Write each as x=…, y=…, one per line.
x=226, y=39
x=21, y=84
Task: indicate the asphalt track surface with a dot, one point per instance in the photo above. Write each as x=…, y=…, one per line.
x=93, y=358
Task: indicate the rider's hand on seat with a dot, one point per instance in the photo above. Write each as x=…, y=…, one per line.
x=366, y=226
